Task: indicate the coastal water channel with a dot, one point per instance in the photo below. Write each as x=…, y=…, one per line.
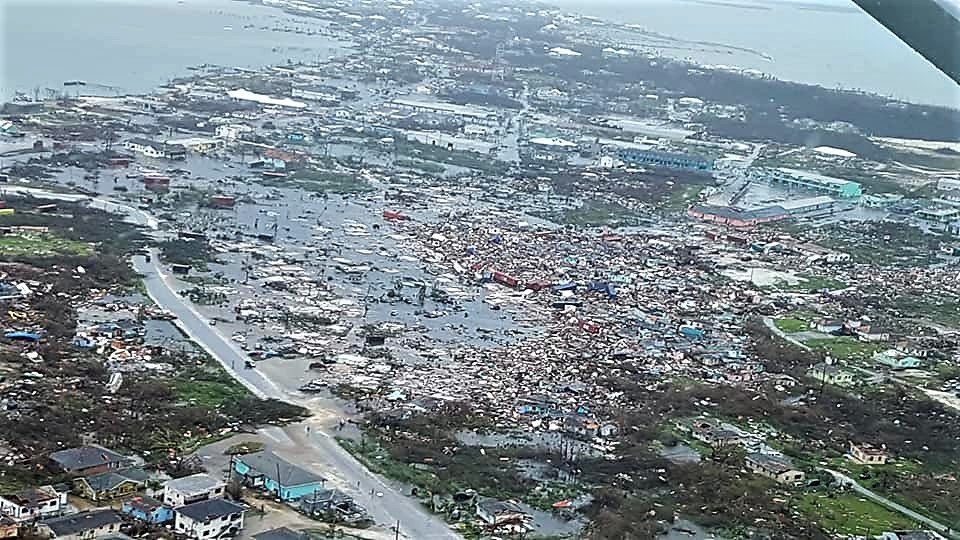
x=121, y=46
x=126, y=47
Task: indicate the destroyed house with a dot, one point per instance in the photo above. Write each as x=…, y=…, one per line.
x=538, y=404
x=714, y=435
x=123, y=329
x=87, y=460
x=496, y=513
x=872, y=332
x=868, y=454
x=581, y=425
x=8, y=527
x=272, y=473
x=327, y=501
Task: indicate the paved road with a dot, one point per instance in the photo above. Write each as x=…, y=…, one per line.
x=319, y=446
x=773, y=328
x=847, y=481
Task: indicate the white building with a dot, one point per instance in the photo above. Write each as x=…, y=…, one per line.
x=555, y=144
x=33, y=503
x=191, y=489
x=155, y=149
x=316, y=94
x=232, y=132
x=207, y=520
x=467, y=113
x=948, y=184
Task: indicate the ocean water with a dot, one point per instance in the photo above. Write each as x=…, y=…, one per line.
x=830, y=43
x=136, y=45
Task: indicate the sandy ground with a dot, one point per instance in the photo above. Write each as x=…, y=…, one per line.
x=946, y=398
x=278, y=515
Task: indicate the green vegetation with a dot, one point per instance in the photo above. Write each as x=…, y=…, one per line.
x=419, y=164
x=929, y=490
x=74, y=228
x=425, y=466
x=844, y=348
x=594, y=213
x=14, y=479
x=378, y=460
x=879, y=243
x=195, y=253
x=682, y=196
x=930, y=307
x=850, y=513
x=246, y=447
x=325, y=182
x=41, y=245
x=791, y=325
x=210, y=394
x=440, y=154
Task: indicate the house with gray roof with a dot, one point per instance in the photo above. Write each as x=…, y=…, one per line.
x=191, y=489
x=274, y=474
x=282, y=533
x=88, y=460
x=207, y=520
x=111, y=485
x=82, y=526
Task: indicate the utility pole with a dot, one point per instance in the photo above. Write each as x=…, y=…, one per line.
x=397, y=535
x=279, y=495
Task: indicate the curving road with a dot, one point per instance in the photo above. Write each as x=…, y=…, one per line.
x=315, y=446
x=388, y=506
x=845, y=480
x=783, y=335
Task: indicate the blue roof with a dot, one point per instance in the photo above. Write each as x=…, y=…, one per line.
x=22, y=335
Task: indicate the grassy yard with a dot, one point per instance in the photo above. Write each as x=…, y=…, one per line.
x=42, y=245
x=439, y=154
x=845, y=348
x=378, y=460
x=682, y=197
x=209, y=393
x=209, y=387
x=594, y=213
x=935, y=308
x=318, y=181
x=487, y=473
x=791, y=325
x=12, y=480
x=329, y=181
x=850, y=513
x=425, y=166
